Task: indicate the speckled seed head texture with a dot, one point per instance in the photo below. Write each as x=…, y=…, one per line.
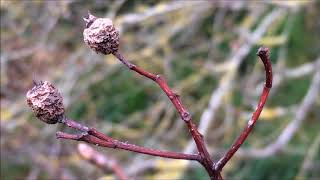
x=100, y=35
x=46, y=102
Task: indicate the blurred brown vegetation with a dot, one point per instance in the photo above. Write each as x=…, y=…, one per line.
x=206, y=51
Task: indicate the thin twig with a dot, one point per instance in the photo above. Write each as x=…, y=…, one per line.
x=92, y=136
x=205, y=159
x=225, y=84
x=309, y=159
x=263, y=53
x=290, y=130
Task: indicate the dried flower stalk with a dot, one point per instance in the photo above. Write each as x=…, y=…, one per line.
x=101, y=36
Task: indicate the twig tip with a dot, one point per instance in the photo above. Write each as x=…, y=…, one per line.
x=89, y=19
x=262, y=51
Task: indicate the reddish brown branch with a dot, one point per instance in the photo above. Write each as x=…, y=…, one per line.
x=46, y=102
x=184, y=114
x=92, y=131
x=263, y=53
x=101, y=36
x=93, y=136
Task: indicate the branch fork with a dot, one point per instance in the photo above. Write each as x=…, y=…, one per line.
x=102, y=37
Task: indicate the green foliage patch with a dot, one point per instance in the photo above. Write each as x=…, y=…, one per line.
x=119, y=95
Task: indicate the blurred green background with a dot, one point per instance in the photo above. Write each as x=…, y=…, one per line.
x=206, y=51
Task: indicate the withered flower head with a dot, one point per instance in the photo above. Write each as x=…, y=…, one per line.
x=100, y=35
x=46, y=102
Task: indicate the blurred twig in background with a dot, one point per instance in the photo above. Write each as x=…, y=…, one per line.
x=101, y=161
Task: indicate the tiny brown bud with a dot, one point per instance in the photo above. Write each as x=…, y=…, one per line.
x=100, y=35
x=46, y=102
x=263, y=52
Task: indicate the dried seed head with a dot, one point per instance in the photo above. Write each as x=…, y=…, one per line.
x=46, y=102
x=100, y=35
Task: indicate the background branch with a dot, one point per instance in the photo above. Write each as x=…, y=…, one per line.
x=101, y=161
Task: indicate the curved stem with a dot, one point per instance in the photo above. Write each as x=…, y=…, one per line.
x=184, y=114
x=263, y=53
